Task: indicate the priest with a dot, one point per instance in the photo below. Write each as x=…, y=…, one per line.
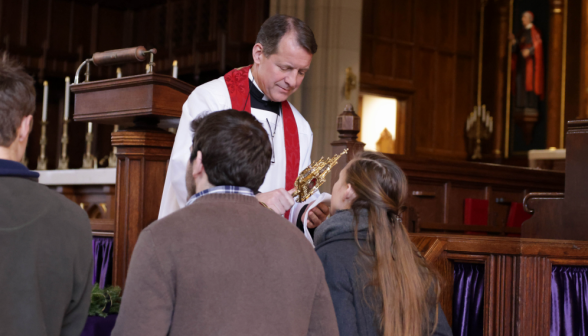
x=281, y=57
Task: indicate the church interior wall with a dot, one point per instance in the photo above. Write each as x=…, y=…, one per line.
x=51, y=38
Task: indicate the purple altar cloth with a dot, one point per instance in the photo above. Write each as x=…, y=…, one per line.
x=468, y=299
x=99, y=326
x=569, y=301
x=102, y=247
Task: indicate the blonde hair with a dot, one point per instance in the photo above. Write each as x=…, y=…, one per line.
x=399, y=277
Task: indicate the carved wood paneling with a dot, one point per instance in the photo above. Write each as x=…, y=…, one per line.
x=437, y=190
x=142, y=164
x=426, y=48
x=517, y=283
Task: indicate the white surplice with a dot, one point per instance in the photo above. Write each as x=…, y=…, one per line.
x=213, y=97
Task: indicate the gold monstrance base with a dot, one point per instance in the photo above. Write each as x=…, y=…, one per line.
x=314, y=176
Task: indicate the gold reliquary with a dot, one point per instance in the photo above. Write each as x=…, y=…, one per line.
x=314, y=176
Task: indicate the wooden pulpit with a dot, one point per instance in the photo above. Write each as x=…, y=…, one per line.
x=138, y=104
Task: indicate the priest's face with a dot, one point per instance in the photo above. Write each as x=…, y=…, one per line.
x=280, y=74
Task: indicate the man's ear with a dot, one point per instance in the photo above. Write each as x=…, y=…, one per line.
x=257, y=53
x=197, y=166
x=25, y=128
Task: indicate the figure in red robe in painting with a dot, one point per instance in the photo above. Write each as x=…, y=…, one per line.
x=527, y=67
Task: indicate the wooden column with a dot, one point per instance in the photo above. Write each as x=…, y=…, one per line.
x=583, y=113
x=501, y=55
x=554, y=72
x=348, y=126
x=142, y=156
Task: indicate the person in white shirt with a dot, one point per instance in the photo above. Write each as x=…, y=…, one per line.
x=282, y=56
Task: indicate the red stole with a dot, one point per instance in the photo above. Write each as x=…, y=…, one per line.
x=238, y=84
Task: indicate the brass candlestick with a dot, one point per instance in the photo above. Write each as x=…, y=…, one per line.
x=112, y=156
x=64, y=160
x=89, y=160
x=479, y=125
x=42, y=161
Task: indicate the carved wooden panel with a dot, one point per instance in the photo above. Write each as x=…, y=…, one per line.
x=427, y=48
x=142, y=164
x=437, y=190
x=517, y=283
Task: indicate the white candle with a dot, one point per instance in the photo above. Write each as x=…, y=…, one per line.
x=491, y=124
x=175, y=70
x=45, y=97
x=118, y=73
x=66, y=109
x=89, y=127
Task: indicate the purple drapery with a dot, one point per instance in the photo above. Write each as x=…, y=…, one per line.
x=468, y=299
x=102, y=247
x=99, y=326
x=569, y=301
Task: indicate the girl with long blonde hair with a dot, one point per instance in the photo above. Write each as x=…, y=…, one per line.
x=379, y=283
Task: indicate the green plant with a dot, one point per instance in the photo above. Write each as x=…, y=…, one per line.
x=104, y=301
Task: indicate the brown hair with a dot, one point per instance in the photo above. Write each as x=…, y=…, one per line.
x=399, y=275
x=17, y=98
x=273, y=29
x=235, y=148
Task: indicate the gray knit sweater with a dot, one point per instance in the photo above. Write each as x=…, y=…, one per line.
x=46, y=259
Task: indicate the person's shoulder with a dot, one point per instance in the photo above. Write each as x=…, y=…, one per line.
x=190, y=217
x=214, y=94
x=338, y=247
x=216, y=87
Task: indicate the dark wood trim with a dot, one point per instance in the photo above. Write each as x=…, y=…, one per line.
x=131, y=81
x=471, y=228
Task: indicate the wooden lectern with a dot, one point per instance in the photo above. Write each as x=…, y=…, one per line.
x=138, y=104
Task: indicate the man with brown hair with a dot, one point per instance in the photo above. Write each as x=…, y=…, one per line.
x=224, y=264
x=45, y=239
x=281, y=57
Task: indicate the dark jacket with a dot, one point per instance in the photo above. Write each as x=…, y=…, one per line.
x=46, y=261
x=225, y=265
x=337, y=249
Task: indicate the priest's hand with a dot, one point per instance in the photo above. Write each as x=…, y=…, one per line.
x=278, y=200
x=317, y=215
